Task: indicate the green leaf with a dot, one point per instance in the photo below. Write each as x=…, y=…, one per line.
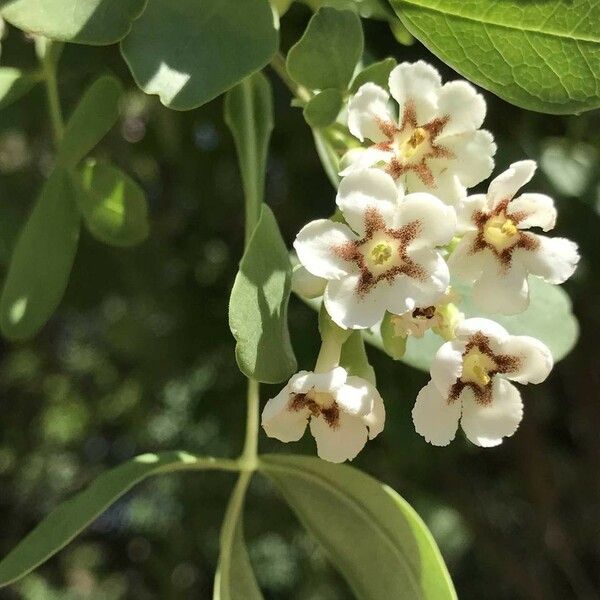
x=328, y=157
x=354, y=357
x=96, y=113
x=96, y=22
x=548, y=318
x=113, y=206
x=377, y=73
x=327, y=53
x=249, y=115
x=191, y=51
x=373, y=536
x=235, y=578
x=394, y=345
x=71, y=517
x=258, y=305
x=537, y=54
x=15, y=83
x=322, y=110
x=41, y=261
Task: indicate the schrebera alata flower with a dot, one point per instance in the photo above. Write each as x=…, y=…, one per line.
x=497, y=251
x=386, y=257
x=435, y=144
x=344, y=411
x=470, y=381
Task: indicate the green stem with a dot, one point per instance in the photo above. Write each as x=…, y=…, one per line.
x=49, y=61
x=207, y=463
x=248, y=460
x=329, y=354
x=278, y=65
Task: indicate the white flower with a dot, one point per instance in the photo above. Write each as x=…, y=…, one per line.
x=469, y=382
x=387, y=261
x=305, y=284
x=435, y=145
x=343, y=412
x=496, y=251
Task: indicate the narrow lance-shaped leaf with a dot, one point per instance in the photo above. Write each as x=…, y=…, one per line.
x=258, y=305
x=41, y=261
x=96, y=113
x=113, y=206
x=373, y=537
x=235, y=578
x=327, y=53
x=96, y=22
x=15, y=83
x=191, y=51
x=249, y=116
x=541, y=55
x=70, y=518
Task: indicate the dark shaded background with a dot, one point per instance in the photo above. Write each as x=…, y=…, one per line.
x=139, y=358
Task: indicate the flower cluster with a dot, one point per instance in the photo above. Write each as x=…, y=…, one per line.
x=409, y=231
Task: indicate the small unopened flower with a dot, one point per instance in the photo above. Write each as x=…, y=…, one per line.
x=343, y=411
x=498, y=252
x=388, y=260
x=305, y=284
x=469, y=381
x=435, y=145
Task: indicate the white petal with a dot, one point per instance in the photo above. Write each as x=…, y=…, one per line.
x=447, y=186
x=356, y=396
x=507, y=184
x=447, y=366
x=535, y=210
x=366, y=110
x=427, y=291
x=437, y=221
x=351, y=310
x=467, y=209
x=434, y=418
x=467, y=265
x=316, y=243
x=375, y=420
x=306, y=284
x=367, y=189
x=363, y=158
x=418, y=83
x=492, y=330
x=473, y=155
x=554, y=260
x=341, y=442
x=486, y=425
x=282, y=423
x=330, y=381
x=535, y=358
x=504, y=291
x=466, y=108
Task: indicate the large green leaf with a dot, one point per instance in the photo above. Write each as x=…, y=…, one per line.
x=235, y=578
x=548, y=318
x=190, y=51
x=113, y=206
x=96, y=113
x=41, y=261
x=258, y=305
x=538, y=54
x=249, y=116
x=327, y=53
x=71, y=517
x=96, y=22
x=373, y=536
x=15, y=83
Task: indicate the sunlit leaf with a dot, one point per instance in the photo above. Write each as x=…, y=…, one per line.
x=327, y=53
x=235, y=578
x=258, y=305
x=15, y=83
x=41, y=261
x=94, y=22
x=538, y=54
x=96, y=113
x=71, y=517
x=373, y=536
x=249, y=116
x=190, y=51
x=323, y=109
x=394, y=345
x=113, y=206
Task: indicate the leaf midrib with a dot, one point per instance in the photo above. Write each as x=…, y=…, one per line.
x=448, y=13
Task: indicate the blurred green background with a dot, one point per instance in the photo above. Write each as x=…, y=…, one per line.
x=139, y=358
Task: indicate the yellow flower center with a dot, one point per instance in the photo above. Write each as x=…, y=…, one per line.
x=500, y=232
x=323, y=399
x=477, y=367
x=381, y=253
x=414, y=143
